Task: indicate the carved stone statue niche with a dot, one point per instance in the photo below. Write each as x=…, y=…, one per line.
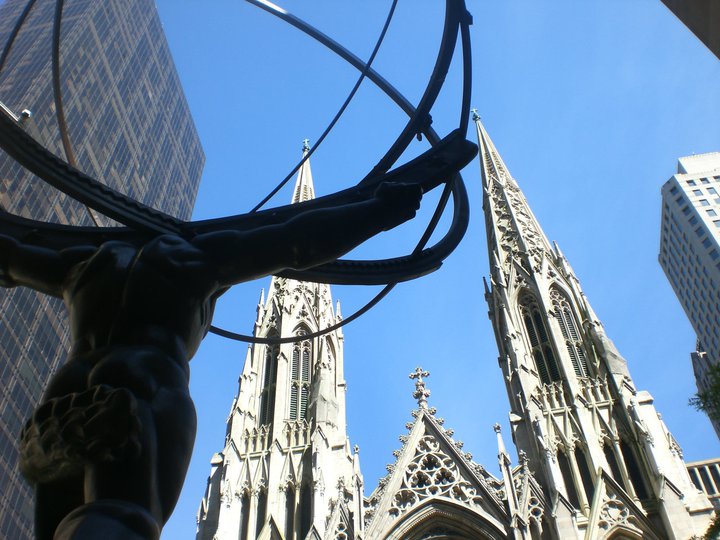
x=110, y=443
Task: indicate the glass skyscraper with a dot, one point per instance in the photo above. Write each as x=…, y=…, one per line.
x=130, y=127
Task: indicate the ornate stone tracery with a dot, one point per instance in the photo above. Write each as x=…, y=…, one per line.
x=432, y=473
x=615, y=513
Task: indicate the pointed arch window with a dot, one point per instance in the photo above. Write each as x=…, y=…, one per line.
x=633, y=468
x=305, y=510
x=611, y=458
x=267, y=394
x=581, y=458
x=300, y=377
x=569, y=328
x=245, y=516
x=261, y=511
x=540, y=345
x=289, y=513
x=567, y=476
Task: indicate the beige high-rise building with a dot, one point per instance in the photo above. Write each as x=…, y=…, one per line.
x=690, y=253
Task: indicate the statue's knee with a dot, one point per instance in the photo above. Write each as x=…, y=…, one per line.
x=120, y=519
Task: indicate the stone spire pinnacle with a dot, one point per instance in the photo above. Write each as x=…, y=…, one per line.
x=421, y=393
x=491, y=164
x=304, y=188
x=513, y=231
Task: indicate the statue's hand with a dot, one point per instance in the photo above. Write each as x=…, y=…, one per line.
x=399, y=202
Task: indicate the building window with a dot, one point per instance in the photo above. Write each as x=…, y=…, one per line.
x=711, y=212
x=706, y=243
x=697, y=192
x=244, y=516
x=686, y=210
x=673, y=190
x=704, y=202
x=585, y=475
x=267, y=394
x=714, y=254
x=693, y=220
x=691, y=182
x=612, y=462
x=633, y=468
x=305, y=510
x=261, y=511
x=569, y=328
x=300, y=378
x=289, y=513
x=712, y=191
x=567, y=477
x=704, y=181
x=540, y=345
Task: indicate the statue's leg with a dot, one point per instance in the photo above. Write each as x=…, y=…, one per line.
x=54, y=501
x=148, y=483
x=108, y=520
x=57, y=496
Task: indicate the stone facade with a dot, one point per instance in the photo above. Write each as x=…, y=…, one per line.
x=595, y=459
x=607, y=463
x=287, y=470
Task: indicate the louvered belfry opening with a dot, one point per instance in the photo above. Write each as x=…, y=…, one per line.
x=300, y=373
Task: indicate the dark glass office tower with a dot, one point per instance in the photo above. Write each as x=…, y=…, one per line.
x=130, y=126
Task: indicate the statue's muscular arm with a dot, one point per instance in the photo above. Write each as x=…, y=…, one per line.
x=311, y=238
x=36, y=267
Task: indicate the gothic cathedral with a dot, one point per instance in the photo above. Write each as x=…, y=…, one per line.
x=596, y=461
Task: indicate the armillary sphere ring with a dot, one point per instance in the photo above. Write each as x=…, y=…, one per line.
x=435, y=166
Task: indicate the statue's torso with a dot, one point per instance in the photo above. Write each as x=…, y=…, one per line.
x=159, y=295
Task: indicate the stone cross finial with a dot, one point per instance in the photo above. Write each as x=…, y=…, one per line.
x=421, y=393
x=306, y=145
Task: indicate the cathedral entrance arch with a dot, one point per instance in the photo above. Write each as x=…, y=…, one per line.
x=445, y=520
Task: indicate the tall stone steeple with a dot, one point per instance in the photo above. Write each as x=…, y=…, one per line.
x=286, y=470
x=592, y=439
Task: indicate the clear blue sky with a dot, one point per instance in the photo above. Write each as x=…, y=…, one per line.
x=590, y=104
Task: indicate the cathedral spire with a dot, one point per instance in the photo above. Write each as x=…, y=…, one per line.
x=304, y=188
x=492, y=167
x=287, y=447
x=513, y=231
x=586, y=430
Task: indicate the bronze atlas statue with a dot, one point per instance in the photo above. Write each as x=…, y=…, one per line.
x=108, y=447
